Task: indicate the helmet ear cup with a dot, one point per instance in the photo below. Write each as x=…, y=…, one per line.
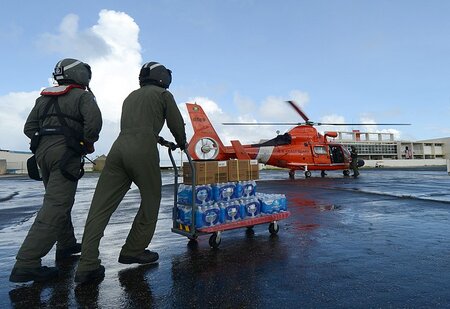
x=144, y=74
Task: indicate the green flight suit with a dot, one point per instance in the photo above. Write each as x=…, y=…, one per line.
x=354, y=163
x=134, y=157
x=53, y=222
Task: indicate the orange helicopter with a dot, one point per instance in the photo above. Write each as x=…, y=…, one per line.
x=301, y=148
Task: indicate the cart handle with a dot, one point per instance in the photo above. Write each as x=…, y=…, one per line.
x=170, y=145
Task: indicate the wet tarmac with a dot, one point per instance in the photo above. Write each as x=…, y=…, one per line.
x=379, y=241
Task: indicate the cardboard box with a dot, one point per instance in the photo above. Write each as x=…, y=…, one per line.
x=239, y=170
x=207, y=172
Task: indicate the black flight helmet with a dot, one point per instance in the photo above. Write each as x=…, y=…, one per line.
x=72, y=71
x=154, y=73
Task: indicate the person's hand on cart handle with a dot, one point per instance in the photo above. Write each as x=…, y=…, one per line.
x=184, y=146
x=168, y=144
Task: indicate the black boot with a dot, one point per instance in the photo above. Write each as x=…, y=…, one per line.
x=37, y=274
x=91, y=275
x=145, y=257
x=66, y=252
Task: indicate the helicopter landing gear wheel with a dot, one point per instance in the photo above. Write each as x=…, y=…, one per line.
x=307, y=174
x=346, y=173
x=323, y=174
x=292, y=174
x=215, y=240
x=274, y=228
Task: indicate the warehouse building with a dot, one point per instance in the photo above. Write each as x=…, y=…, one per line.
x=13, y=162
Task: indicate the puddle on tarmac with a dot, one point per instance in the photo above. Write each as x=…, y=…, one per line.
x=298, y=202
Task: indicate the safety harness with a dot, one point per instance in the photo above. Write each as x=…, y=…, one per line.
x=73, y=138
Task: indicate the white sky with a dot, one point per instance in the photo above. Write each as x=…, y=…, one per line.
x=364, y=61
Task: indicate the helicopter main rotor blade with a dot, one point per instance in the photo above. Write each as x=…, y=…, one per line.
x=310, y=123
x=361, y=124
x=298, y=110
x=262, y=124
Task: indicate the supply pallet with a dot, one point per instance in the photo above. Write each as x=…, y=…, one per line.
x=192, y=232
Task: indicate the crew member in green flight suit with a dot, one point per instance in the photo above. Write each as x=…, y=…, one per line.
x=354, y=161
x=63, y=126
x=134, y=157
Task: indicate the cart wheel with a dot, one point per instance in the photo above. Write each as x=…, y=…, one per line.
x=274, y=228
x=346, y=172
x=215, y=240
x=307, y=174
x=192, y=244
x=249, y=231
x=193, y=237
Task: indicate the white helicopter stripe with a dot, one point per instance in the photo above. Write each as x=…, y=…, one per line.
x=264, y=154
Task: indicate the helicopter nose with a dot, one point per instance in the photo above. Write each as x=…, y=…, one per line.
x=361, y=162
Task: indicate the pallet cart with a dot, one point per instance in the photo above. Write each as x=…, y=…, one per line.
x=191, y=232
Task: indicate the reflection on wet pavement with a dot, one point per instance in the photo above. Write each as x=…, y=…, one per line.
x=377, y=241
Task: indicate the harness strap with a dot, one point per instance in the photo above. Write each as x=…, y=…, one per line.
x=73, y=143
x=62, y=114
x=73, y=139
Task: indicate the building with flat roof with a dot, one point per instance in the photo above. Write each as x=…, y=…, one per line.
x=383, y=146
x=15, y=161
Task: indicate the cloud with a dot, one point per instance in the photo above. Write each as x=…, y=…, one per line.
x=69, y=40
x=372, y=127
x=115, y=74
x=250, y=111
x=111, y=47
x=15, y=109
x=275, y=108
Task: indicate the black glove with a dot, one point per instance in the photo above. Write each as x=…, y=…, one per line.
x=172, y=146
x=89, y=147
x=183, y=146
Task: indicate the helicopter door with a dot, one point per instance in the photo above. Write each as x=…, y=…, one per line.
x=321, y=155
x=336, y=154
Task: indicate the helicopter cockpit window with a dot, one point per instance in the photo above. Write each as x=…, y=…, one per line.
x=320, y=150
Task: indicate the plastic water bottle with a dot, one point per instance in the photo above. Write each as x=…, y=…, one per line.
x=232, y=211
x=224, y=191
x=199, y=216
x=252, y=208
x=203, y=194
x=238, y=190
x=184, y=214
x=222, y=210
x=266, y=201
x=249, y=188
x=276, y=204
x=211, y=215
x=283, y=202
x=184, y=194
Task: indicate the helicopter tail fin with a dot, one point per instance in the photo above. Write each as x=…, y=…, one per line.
x=205, y=144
